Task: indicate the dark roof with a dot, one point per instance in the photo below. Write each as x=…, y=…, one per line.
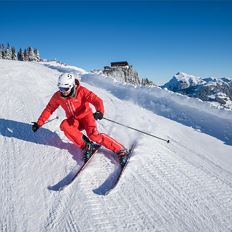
x=120, y=63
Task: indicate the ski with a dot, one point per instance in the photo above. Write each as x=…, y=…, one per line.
x=68, y=180
x=122, y=169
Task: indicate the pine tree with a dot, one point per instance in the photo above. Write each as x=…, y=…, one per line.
x=20, y=55
x=37, y=56
x=4, y=54
x=13, y=53
x=1, y=50
x=25, y=55
x=8, y=52
x=30, y=54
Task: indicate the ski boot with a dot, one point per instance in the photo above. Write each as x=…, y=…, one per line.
x=123, y=155
x=88, y=151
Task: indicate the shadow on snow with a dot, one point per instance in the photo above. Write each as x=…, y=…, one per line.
x=22, y=131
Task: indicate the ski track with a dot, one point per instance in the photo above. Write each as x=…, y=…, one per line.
x=62, y=216
x=173, y=175
x=59, y=212
x=71, y=224
x=8, y=220
x=213, y=198
x=92, y=206
x=205, y=163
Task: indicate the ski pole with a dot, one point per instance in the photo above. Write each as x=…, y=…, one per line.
x=168, y=141
x=51, y=120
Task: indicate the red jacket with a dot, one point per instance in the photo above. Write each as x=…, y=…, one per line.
x=76, y=107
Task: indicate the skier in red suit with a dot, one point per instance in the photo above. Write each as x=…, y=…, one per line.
x=75, y=99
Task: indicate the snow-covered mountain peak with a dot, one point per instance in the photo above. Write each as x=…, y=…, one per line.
x=187, y=78
x=207, y=89
x=182, y=81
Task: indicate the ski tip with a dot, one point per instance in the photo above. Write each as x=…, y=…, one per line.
x=106, y=193
x=55, y=188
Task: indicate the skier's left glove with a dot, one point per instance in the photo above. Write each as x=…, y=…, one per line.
x=98, y=115
x=35, y=126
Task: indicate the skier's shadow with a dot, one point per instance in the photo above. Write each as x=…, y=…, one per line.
x=20, y=130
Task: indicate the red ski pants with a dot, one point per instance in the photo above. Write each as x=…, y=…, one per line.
x=72, y=130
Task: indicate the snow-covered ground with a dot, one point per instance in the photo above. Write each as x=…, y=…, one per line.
x=182, y=186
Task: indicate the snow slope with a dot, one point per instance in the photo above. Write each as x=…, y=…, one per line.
x=182, y=186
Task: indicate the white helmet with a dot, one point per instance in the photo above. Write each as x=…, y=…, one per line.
x=66, y=82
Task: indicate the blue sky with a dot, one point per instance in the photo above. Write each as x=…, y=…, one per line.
x=159, y=38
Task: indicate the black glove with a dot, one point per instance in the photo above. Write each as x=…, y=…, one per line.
x=98, y=115
x=35, y=127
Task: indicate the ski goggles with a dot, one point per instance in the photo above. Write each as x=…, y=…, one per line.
x=64, y=89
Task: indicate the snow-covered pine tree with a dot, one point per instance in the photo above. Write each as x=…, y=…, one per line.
x=31, y=55
x=4, y=54
x=8, y=52
x=25, y=55
x=20, y=55
x=1, y=50
x=13, y=53
x=37, y=56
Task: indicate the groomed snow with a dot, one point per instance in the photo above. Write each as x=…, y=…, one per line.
x=182, y=186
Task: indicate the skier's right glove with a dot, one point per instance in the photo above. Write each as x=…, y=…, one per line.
x=35, y=126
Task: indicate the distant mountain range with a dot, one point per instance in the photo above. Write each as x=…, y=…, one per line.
x=216, y=90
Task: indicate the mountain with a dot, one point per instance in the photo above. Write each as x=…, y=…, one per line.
x=182, y=186
x=216, y=91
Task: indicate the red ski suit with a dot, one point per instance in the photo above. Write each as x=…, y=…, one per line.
x=79, y=117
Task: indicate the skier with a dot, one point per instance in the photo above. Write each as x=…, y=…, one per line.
x=75, y=99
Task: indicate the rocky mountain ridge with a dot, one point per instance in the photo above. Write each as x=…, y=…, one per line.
x=216, y=90
x=124, y=72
